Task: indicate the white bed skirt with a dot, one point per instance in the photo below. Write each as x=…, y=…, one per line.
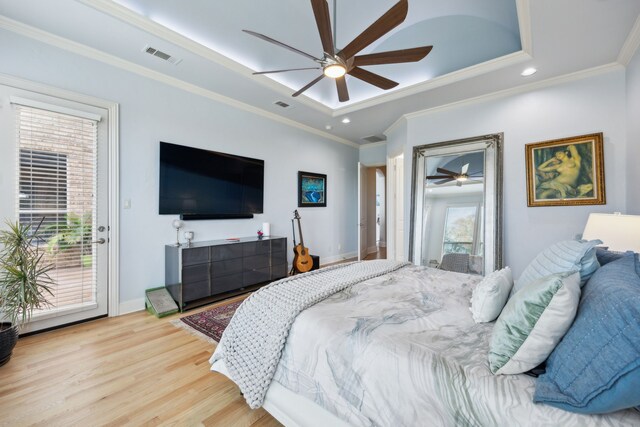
x=289, y=408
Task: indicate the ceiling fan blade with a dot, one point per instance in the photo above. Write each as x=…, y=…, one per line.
x=393, y=57
x=447, y=172
x=323, y=21
x=387, y=22
x=276, y=42
x=438, y=177
x=282, y=71
x=316, y=80
x=372, y=78
x=343, y=93
x=464, y=169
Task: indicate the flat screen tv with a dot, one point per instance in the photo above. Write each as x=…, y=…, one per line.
x=202, y=184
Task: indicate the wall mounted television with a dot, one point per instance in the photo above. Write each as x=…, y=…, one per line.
x=202, y=184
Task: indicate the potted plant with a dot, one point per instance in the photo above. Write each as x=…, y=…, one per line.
x=24, y=281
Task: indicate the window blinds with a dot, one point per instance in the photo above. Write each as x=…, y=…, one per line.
x=57, y=182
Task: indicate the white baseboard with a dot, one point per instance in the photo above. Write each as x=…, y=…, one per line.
x=336, y=258
x=131, y=306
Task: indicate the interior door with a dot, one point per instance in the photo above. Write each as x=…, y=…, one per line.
x=59, y=153
x=362, y=212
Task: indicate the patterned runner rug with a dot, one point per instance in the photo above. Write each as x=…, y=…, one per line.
x=209, y=324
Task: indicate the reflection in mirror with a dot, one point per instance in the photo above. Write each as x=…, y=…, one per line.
x=455, y=197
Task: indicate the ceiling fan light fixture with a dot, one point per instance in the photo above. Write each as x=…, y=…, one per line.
x=461, y=178
x=334, y=71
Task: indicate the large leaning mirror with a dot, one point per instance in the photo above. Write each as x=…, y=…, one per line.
x=456, y=205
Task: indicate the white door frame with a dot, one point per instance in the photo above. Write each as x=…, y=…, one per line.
x=113, y=141
x=362, y=209
x=395, y=211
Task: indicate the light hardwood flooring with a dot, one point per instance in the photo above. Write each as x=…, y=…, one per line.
x=380, y=254
x=129, y=370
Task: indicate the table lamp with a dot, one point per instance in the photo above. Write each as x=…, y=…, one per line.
x=619, y=232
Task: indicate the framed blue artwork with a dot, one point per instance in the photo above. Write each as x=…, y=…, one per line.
x=312, y=190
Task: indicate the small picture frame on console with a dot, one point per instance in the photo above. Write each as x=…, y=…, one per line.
x=566, y=172
x=312, y=190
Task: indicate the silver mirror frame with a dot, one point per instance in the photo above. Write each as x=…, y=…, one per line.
x=492, y=145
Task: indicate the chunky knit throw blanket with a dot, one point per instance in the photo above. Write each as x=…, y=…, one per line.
x=252, y=344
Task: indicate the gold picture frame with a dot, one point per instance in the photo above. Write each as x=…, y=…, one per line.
x=566, y=172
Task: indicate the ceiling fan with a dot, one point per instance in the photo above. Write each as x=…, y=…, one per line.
x=336, y=63
x=460, y=177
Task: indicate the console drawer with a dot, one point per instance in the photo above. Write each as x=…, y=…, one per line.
x=230, y=251
x=224, y=268
x=256, y=276
x=226, y=283
x=195, y=256
x=194, y=291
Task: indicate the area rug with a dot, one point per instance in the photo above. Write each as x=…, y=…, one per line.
x=209, y=324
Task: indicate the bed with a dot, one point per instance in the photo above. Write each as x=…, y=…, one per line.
x=400, y=349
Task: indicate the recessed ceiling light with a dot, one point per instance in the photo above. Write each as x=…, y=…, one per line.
x=528, y=72
x=346, y=120
x=328, y=127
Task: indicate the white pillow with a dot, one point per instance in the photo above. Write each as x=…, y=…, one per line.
x=533, y=322
x=490, y=295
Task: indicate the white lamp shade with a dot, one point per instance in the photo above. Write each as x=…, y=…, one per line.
x=619, y=232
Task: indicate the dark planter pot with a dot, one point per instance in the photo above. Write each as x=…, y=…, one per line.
x=8, y=340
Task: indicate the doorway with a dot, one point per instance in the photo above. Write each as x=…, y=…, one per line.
x=61, y=153
x=372, y=208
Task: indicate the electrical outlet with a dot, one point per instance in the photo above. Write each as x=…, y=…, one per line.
x=127, y=204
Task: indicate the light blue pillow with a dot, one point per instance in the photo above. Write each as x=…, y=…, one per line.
x=596, y=367
x=569, y=255
x=533, y=322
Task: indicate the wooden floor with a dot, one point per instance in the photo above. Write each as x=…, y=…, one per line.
x=129, y=370
x=380, y=254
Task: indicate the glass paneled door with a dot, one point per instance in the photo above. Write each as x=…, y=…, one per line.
x=61, y=189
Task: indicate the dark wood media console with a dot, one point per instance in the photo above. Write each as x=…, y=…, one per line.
x=209, y=271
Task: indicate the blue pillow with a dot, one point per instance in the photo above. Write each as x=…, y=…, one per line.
x=595, y=369
x=568, y=255
x=606, y=256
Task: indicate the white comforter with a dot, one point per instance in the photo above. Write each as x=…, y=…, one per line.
x=403, y=350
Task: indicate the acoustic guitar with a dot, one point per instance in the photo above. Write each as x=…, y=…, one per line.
x=302, y=261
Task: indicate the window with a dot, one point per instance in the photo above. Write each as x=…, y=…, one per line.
x=460, y=230
x=57, y=185
x=43, y=187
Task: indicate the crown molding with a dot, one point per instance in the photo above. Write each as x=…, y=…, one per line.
x=95, y=54
x=373, y=144
x=631, y=44
x=130, y=17
x=554, y=81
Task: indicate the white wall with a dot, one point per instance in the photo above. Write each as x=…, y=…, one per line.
x=633, y=135
x=588, y=105
x=151, y=112
x=373, y=154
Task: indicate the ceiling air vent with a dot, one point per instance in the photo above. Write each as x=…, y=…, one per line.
x=375, y=138
x=282, y=104
x=162, y=55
